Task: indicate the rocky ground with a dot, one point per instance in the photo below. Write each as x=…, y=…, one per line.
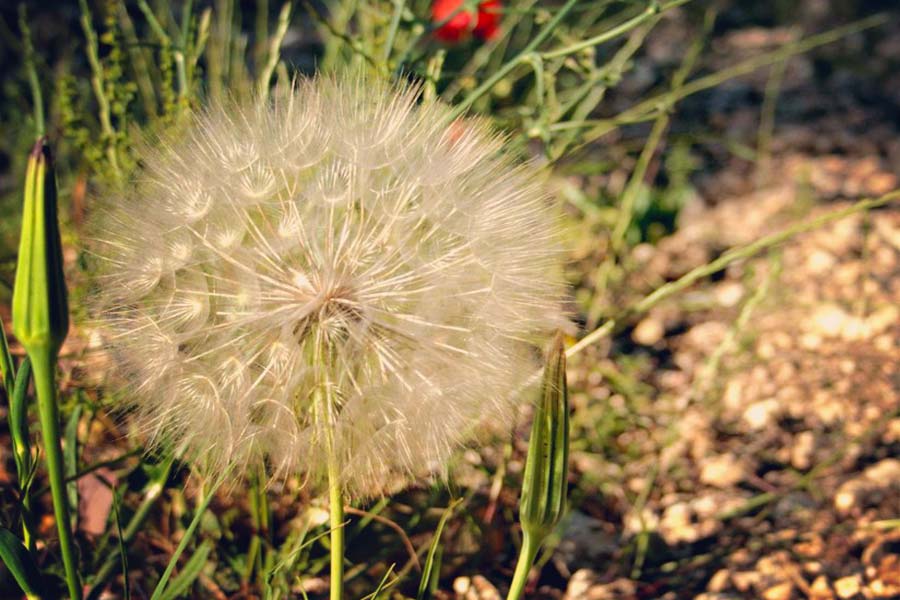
x=742, y=440
x=762, y=459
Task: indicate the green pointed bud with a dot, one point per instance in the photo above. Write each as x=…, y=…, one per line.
x=40, y=310
x=41, y=321
x=545, y=484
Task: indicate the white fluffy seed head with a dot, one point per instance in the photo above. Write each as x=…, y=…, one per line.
x=341, y=270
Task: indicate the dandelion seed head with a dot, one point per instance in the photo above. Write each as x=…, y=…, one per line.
x=343, y=269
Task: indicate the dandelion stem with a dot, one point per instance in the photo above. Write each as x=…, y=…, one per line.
x=336, y=512
x=323, y=401
x=527, y=554
x=43, y=365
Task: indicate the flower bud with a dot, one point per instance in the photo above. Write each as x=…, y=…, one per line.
x=546, y=469
x=40, y=311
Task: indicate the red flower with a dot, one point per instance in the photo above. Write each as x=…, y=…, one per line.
x=487, y=26
x=486, y=23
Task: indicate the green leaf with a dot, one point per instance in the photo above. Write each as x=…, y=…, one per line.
x=189, y=573
x=18, y=425
x=20, y=563
x=7, y=369
x=432, y=566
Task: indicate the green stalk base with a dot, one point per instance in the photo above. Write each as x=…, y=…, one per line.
x=43, y=364
x=529, y=551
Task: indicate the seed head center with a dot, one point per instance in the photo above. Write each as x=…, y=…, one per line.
x=334, y=310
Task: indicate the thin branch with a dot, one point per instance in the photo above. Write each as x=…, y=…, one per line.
x=410, y=549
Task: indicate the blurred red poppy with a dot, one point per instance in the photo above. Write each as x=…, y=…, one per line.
x=486, y=23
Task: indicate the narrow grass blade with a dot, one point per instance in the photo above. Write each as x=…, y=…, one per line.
x=382, y=585
x=429, y=572
x=123, y=552
x=70, y=459
x=160, y=590
x=189, y=573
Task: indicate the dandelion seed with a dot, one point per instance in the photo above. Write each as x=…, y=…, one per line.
x=343, y=242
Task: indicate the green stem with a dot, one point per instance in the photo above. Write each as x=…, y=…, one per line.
x=177, y=51
x=651, y=11
x=527, y=554
x=31, y=70
x=336, y=512
x=629, y=199
x=323, y=400
x=767, y=114
x=503, y=71
x=399, y=5
x=43, y=365
x=265, y=75
x=649, y=106
x=98, y=83
x=140, y=62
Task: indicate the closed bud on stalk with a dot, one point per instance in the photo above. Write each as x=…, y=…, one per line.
x=544, y=485
x=546, y=468
x=41, y=321
x=40, y=310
